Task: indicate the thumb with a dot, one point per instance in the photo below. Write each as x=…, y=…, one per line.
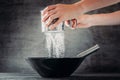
x=67, y=23
x=71, y=23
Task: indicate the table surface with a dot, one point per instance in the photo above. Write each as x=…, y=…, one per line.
x=22, y=76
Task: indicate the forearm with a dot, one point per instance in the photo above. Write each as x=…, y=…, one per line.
x=89, y=5
x=105, y=19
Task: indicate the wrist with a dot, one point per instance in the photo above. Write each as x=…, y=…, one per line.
x=98, y=19
x=91, y=20
x=102, y=19
x=79, y=8
x=88, y=19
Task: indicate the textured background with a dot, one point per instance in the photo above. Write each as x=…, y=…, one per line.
x=21, y=37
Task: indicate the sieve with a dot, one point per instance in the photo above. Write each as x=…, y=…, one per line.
x=58, y=28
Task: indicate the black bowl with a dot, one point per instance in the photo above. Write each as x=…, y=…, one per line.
x=55, y=67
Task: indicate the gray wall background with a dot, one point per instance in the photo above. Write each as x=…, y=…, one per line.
x=21, y=37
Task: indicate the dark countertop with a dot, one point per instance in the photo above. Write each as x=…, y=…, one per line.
x=20, y=76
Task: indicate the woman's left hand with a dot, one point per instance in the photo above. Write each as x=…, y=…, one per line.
x=62, y=12
x=82, y=21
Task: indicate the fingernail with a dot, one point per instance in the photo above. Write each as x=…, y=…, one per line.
x=42, y=20
x=72, y=28
x=50, y=28
x=46, y=25
x=67, y=25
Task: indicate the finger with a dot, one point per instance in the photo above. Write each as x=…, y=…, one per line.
x=74, y=25
x=50, y=19
x=67, y=23
x=82, y=25
x=48, y=8
x=48, y=14
x=55, y=24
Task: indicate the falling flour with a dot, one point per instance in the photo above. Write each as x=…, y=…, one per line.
x=55, y=44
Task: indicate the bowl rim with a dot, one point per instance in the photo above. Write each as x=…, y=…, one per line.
x=54, y=58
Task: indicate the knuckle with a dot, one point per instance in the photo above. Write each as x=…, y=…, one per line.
x=48, y=7
x=51, y=17
x=48, y=13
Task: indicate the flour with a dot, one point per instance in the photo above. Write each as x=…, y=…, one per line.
x=54, y=39
x=55, y=44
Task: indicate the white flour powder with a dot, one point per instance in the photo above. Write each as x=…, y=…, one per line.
x=55, y=44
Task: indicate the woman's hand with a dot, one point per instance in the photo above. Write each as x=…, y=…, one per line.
x=61, y=11
x=70, y=11
x=85, y=21
x=82, y=21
